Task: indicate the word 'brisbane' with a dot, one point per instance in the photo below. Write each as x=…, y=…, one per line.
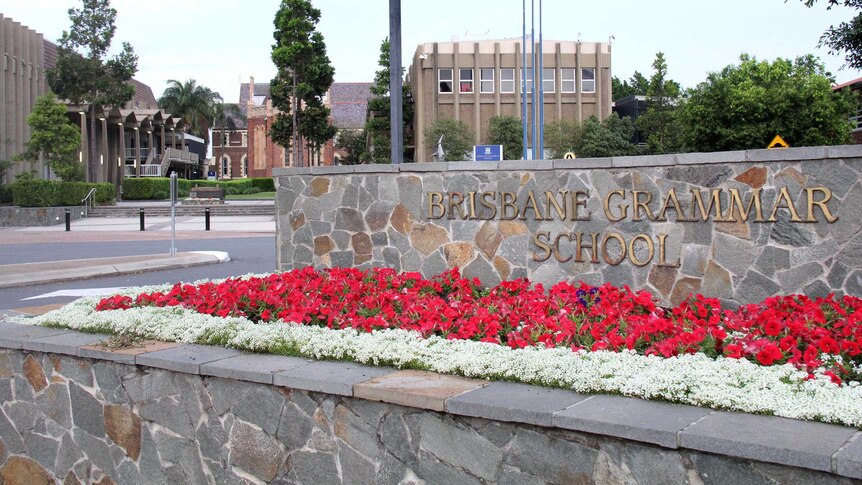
x=718, y=205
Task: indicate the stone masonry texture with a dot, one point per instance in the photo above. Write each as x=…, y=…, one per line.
x=371, y=216
x=73, y=420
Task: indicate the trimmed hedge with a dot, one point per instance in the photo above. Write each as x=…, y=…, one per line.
x=51, y=193
x=157, y=188
x=5, y=194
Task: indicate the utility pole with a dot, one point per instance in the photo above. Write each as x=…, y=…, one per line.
x=396, y=117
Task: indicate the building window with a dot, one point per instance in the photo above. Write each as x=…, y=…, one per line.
x=244, y=166
x=486, y=80
x=567, y=80
x=528, y=76
x=225, y=166
x=548, y=80
x=588, y=80
x=507, y=80
x=465, y=81
x=444, y=76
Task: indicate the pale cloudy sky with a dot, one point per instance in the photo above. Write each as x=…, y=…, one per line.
x=221, y=42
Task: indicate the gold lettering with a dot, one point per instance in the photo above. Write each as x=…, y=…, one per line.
x=669, y=199
x=551, y=201
x=697, y=203
x=650, y=247
x=557, y=247
x=455, y=201
x=623, y=207
x=507, y=201
x=537, y=240
x=784, y=195
x=490, y=205
x=435, y=199
x=471, y=196
x=736, y=203
x=662, y=239
x=531, y=204
x=827, y=195
x=607, y=256
x=577, y=202
x=594, y=247
x=638, y=205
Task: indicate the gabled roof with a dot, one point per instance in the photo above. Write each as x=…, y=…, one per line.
x=348, y=104
x=260, y=89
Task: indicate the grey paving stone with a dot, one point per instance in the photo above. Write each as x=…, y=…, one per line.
x=185, y=358
x=712, y=157
x=329, y=377
x=848, y=461
x=771, y=439
x=519, y=403
x=629, y=418
x=117, y=357
x=332, y=170
x=582, y=163
x=785, y=154
x=13, y=335
x=251, y=367
x=64, y=343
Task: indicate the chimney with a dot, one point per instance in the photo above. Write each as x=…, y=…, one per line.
x=251, y=90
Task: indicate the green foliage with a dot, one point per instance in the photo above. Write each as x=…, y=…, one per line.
x=847, y=36
x=744, y=106
x=83, y=75
x=159, y=188
x=49, y=193
x=55, y=137
x=636, y=85
x=561, y=137
x=457, y=139
x=658, y=124
x=5, y=194
x=506, y=130
x=609, y=138
x=353, y=143
x=197, y=105
x=378, y=124
x=304, y=71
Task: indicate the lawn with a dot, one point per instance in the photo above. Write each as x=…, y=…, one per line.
x=257, y=196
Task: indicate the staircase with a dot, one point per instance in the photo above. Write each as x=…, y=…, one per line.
x=184, y=211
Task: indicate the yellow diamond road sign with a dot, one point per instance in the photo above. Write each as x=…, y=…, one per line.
x=569, y=156
x=778, y=142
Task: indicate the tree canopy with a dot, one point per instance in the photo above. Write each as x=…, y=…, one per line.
x=506, y=130
x=352, y=142
x=457, y=139
x=83, y=75
x=55, y=138
x=304, y=73
x=608, y=138
x=846, y=37
x=197, y=105
x=658, y=124
x=636, y=85
x=744, y=106
x=378, y=125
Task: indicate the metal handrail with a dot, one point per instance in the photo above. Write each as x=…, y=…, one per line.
x=89, y=201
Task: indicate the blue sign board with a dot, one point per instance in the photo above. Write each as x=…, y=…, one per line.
x=487, y=153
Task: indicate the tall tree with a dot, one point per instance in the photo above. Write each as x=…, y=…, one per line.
x=636, y=85
x=847, y=36
x=744, y=106
x=194, y=103
x=55, y=138
x=658, y=123
x=562, y=136
x=353, y=144
x=304, y=75
x=608, y=138
x=506, y=130
x=378, y=125
x=84, y=76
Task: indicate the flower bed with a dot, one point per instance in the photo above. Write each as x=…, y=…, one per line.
x=790, y=356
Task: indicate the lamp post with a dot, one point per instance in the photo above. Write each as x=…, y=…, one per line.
x=396, y=117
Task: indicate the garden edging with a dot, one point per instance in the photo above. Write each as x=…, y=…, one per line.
x=833, y=449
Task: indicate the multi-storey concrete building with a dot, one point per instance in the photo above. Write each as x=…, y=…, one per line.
x=472, y=81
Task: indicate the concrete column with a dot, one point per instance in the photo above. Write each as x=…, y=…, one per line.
x=599, y=75
x=24, y=63
x=121, y=158
x=579, y=112
x=104, y=155
x=150, y=143
x=497, y=79
x=456, y=81
x=558, y=80
x=162, y=133
x=16, y=131
x=137, y=151
x=85, y=147
x=419, y=107
x=20, y=105
x=4, y=153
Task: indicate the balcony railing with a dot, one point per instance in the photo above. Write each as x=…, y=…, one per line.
x=181, y=155
x=140, y=152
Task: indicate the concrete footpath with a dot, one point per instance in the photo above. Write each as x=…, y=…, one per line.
x=127, y=231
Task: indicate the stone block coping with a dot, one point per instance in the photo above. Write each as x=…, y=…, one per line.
x=713, y=158
x=768, y=439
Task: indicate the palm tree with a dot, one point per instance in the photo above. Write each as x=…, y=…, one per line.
x=195, y=104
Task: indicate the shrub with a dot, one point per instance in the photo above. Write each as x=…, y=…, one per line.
x=5, y=194
x=264, y=184
x=251, y=190
x=48, y=193
x=154, y=188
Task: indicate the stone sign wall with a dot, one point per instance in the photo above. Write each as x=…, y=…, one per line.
x=739, y=226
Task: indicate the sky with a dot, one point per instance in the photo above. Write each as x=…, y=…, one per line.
x=220, y=43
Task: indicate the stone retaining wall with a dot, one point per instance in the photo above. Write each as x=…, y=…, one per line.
x=788, y=221
x=37, y=216
x=72, y=412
